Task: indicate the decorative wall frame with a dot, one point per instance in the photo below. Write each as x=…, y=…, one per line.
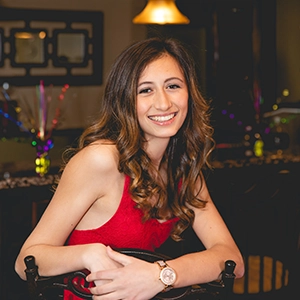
x=59, y=47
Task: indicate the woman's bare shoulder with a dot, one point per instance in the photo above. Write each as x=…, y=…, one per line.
x=98, y=156
x=92, y=167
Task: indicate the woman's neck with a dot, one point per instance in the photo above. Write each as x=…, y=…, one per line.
x=156, y=150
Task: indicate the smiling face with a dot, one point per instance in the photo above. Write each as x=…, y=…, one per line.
x=162, y=99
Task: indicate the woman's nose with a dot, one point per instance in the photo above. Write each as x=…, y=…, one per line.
x=162, y=101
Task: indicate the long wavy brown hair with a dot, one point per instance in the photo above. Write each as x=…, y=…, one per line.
x=187, y=152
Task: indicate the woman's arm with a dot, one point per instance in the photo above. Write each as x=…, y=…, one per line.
x=207, y=265
x=85, y=180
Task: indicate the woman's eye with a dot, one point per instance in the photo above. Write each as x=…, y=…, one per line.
x=144, y=91
x=174, y=86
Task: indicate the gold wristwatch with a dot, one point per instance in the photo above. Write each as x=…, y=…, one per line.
x=167, y=275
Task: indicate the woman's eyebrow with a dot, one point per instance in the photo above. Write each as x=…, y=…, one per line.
x=172, y=78
x=145, y=82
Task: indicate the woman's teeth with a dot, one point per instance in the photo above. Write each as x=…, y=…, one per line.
x=162, y=118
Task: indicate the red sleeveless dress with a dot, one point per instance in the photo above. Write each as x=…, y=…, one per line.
x=125, y=229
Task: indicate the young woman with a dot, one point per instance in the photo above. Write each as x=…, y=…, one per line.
x=136, y=179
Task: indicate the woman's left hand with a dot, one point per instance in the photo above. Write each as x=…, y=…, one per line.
x=137, y=279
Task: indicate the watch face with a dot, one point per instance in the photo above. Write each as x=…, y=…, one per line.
x=168, y=276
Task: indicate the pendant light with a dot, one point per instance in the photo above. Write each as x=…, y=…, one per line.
x=161, y=12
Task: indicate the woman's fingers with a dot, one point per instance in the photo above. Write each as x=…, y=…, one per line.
x=119, y=257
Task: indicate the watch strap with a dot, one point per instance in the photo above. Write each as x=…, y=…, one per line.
x=162, y=264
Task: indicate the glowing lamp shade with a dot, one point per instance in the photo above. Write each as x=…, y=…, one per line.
x=161, y=12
